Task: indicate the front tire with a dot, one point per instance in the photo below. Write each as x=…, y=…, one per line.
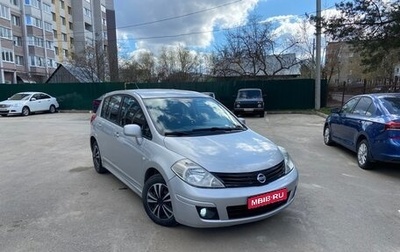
x=25, y=111
x=157, y=201
x=327, y=136
x=364, y=156
x=96, y=156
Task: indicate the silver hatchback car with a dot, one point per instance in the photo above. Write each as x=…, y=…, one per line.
x=190, y=159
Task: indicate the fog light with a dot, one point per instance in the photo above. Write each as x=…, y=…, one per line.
x=209, y=213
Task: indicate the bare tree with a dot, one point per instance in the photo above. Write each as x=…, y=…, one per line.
x=92, y=63
x=251, y=51
x=140, y=68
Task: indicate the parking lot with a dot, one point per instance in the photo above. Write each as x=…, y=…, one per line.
x=51, y=199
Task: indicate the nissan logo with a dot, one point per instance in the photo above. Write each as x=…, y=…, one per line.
x=261, y=178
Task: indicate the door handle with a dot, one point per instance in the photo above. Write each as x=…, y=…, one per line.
x=116, y=134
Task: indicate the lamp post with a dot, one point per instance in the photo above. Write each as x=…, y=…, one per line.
x=318, y=58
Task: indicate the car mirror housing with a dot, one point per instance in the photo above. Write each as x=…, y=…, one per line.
x=335, y=110
x=133, y=130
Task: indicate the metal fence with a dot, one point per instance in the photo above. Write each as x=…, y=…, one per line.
x=295, y=94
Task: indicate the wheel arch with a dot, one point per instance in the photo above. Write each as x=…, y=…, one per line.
x=364, y=137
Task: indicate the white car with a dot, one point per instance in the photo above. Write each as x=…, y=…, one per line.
x=25, y=103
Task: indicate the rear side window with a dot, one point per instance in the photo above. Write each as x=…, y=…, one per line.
x=110, y=109
x=363, y=107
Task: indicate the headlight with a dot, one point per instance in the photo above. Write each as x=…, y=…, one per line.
x=289, y=165
x=194, y=174
x=16, y=105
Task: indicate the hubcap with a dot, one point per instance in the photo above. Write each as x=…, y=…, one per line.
x=159, y=201
x=362, y=153
x=96, y=156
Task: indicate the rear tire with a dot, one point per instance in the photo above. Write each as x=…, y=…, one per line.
x=25, y=111
x=96, y=156
x=52, y=109
x=157, y=201
x=364, y=156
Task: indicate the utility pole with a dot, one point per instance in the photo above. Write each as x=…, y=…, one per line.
x=318, y=58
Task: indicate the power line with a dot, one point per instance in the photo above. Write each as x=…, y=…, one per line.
x=180, y=16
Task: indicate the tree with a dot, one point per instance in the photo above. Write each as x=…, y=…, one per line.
x=178, y=64
x=140, y=68
x=251, y=50
x=371, y=26
x=92, y=62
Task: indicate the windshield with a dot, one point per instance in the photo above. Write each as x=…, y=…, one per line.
x=249, y=94
x=392, y=104
x=19, y=96
x=191, y=116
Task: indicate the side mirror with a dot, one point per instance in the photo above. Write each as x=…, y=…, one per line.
x=133, y=130
x=335, y=110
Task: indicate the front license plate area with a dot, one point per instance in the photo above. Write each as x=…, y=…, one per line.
x=267, y=198
x=248, y=109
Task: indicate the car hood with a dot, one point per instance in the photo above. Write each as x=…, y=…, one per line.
x=244, y=151
x=11, y=102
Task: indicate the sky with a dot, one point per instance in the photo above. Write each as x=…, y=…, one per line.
x=200, y=24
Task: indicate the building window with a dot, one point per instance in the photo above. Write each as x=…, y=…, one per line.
x=69, y=10
x=65, y=53
x=63, y=21
x=37, y=61
x=62, y=4
x=105, y=35
x=87, y=1
x=56, y=51
x=33, y=21
x=48, y=26
x=46, y=8
x=55, y=34
x=64, y=37
x=49, y=44
x=16, y=20
x=4, y=12
x=103, y=8
x=14, y=2
x=19, y=60
x=51, y=63
x=7, y=56
x=5, y=33
x=35, y=41
x=71, y=26
x=87, y=12
x=104, y=22
x=17, y=41
x=54, y=16
x=34, y=3
x=71, y=40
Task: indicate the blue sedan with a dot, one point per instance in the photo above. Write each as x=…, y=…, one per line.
x=369, y=125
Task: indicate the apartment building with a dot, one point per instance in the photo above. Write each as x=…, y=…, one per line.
x=37, y=35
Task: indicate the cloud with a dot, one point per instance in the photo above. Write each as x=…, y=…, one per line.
x=151, y=24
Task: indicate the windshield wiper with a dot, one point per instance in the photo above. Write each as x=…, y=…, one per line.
x=177, y=133
x=239, y=128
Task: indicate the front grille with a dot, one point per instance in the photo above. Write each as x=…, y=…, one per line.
x=247, y=179
x=236, y=212
x=248, y=105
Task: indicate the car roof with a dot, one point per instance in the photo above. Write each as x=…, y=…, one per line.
x=380, y=95
x=160, y=93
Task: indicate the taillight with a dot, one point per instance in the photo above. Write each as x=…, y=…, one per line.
x=392, y=126
x=92, y=118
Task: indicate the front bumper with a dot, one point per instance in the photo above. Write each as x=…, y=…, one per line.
x=230, y=203
x=10, y=111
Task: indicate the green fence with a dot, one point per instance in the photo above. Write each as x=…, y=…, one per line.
x=296, y=94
